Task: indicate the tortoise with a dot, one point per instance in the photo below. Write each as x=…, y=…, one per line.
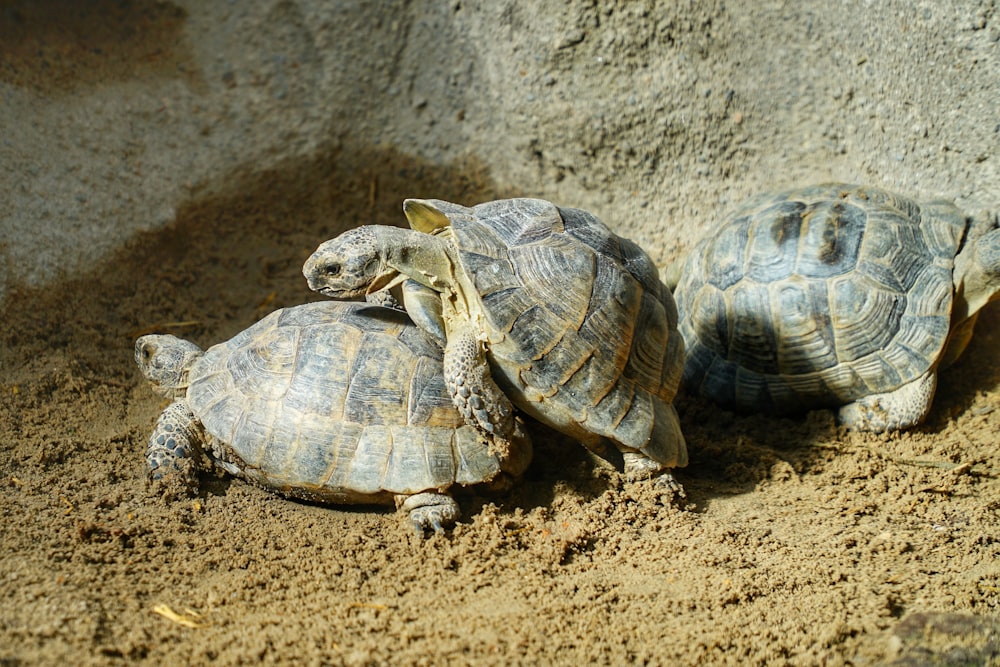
x=330, y=402
x=835, y=295
x=540, y=306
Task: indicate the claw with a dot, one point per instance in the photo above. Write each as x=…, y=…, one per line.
x=432, y=511
x=666, y=482
x=418, y=527
x=638, y=466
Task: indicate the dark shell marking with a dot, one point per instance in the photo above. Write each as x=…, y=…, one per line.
x=817, y=297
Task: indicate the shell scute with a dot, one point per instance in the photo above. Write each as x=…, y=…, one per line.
x=515, y=221
x=807, y=341
x=721, y=260
x=830, y=239
x=558, y=275
x=864, y=317
x=773, y=243
x=648, y=352
x=752, y=322
x=586, y=228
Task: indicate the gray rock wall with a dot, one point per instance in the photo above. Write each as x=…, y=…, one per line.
x=656, y=115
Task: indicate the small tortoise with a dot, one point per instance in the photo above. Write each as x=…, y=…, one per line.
x=329, y=402
x=539, y=304
x=835, y=295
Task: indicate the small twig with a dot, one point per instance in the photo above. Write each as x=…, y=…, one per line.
x=189, y=619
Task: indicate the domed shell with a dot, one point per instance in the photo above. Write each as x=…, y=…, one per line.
x=342, y=402
x=577, y=319
x=817, y=297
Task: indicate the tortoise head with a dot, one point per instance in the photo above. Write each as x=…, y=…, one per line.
x=165, y=361
x=350, y=265
x=977, y=266
x=976, y=282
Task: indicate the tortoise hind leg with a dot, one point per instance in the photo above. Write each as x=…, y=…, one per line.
x=666, y=449
x=894, y=410
x=639, y=467
x=172, y=452
x=429, y=510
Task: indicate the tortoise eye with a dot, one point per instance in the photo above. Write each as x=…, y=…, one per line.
x=333, y=269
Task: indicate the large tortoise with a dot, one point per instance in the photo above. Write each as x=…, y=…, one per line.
x=330, y=402
x=835, y=295
x=538, y=303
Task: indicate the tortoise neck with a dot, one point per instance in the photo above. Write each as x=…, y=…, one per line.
x=177, y=386
x=426, y=258
x=184, y=377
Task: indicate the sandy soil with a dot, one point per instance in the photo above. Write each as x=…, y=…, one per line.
x=799, y=544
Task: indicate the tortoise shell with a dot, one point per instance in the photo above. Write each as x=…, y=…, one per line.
x=817, y=297
x=340, y=402
x=581, y=332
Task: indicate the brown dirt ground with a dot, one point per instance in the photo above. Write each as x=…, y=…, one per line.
x=802, y=544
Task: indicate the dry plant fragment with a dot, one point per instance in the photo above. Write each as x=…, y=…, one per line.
x=189, y=619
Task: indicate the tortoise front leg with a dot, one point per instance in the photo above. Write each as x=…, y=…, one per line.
x=424, y=307
x=434, y=511
x=385, y=299
x=174, y=446
x=473, y=390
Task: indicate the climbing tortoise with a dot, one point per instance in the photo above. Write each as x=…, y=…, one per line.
x=835, y=295
x=538, y=304
x=329, y=402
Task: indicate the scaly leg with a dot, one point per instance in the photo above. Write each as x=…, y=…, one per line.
x=172, y=453
x=893, y=410
x=473, y=390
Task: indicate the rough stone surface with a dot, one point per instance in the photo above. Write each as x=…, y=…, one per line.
x=655, y=115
